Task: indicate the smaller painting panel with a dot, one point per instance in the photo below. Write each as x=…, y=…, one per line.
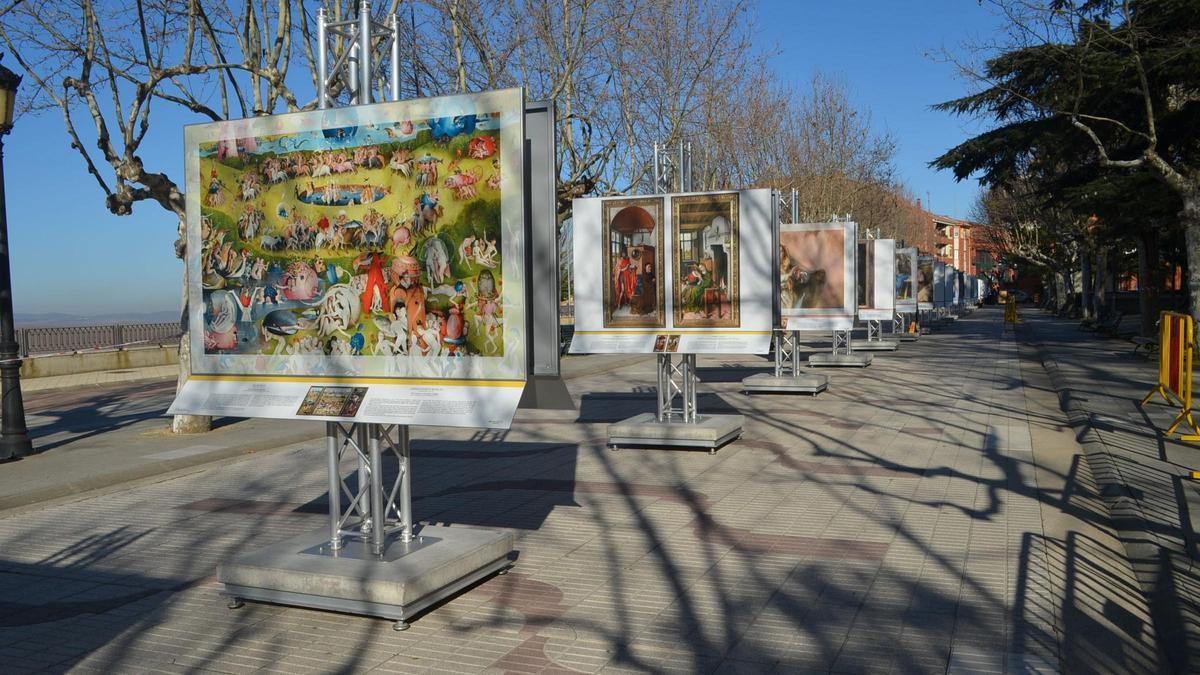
x=817, y=275
x=633, y=257
x=704, y=250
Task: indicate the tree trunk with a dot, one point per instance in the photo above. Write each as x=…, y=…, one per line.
x=1085, y=271
x=187, y=424
x=1148, y=280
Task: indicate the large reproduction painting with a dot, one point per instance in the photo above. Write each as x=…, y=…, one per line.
x=379, y=241
x=925, y=267
x=907, y=288
x=685, y=273
x=817, y=276
x=704, y=241
x=633, y=278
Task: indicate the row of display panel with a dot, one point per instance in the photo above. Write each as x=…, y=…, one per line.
x=396, y=262
x=713, y=273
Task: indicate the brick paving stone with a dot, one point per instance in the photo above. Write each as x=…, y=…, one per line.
x=895, y=523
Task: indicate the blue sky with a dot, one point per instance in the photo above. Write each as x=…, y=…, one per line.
x=70, y=255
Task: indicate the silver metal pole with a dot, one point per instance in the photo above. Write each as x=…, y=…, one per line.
x=335, y=486
x=795, y=353
x=364, y=477
x=364, y=52
x=352, y=74
x=689, y=379
x=378, y=514
x=795, y=205
x=406, y=521
x=394, y=26
x=690, y=185
x=657, y=179
x=679, y=168
x=664, y=385
x=322, y=62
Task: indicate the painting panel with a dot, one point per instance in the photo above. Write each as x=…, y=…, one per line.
x=633, y=259
x=374, y=241
x=925, y=267
x=704, y=247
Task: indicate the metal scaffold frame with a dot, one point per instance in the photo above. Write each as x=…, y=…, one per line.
x=677, y=379
x=368, y=497
x=787, y=353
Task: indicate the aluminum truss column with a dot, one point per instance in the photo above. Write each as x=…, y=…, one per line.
x=378, y=512
x=333, y=449
x=364, y=52
x=405, y=506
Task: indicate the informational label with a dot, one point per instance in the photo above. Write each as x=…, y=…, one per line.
x=466, y=405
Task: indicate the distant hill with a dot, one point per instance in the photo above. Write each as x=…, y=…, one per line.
x=30, y=320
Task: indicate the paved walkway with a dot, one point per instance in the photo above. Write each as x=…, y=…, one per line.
x=931, y=513
x=1142, y=475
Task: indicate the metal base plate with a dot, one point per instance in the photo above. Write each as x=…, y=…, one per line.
x=302, y=571
x=804, y=383
x=840, y=360
x=874, y=345
x=708, y=431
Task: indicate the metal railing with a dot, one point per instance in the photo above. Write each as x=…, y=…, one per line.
x=79, y=338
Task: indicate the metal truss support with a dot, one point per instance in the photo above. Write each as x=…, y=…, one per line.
x=787, y=353
x=899, y=323
x=673, y=174
x=874, y=331
x=841, y=342
x=356, y=64
x=789, y=206
x=370, y=510
x=677, y=379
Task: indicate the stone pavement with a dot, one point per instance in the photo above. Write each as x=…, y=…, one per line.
x=931, y=513
x=1143, y=475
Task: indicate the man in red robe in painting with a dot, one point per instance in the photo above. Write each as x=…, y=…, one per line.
x=624, y=279
x=373, y=262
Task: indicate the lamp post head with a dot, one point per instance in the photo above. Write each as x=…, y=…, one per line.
x=9, y=81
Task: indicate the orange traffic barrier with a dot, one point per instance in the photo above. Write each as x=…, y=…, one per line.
x=1176, y=342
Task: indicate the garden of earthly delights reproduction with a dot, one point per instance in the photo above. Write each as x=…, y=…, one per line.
x=382, y=240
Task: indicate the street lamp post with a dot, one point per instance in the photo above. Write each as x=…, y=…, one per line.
x=14, y=437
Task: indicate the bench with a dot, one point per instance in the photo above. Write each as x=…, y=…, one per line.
x=1150, y=344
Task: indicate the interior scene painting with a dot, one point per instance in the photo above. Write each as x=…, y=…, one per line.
x=633, y=286
x=812, y=272
x=705, y=257
x=865, y=268
x=903, y=276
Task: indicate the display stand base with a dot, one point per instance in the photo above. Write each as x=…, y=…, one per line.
x=708, y=431
x=875, y=345
x=407, y=578
x=804, y=383
x=839, y=360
